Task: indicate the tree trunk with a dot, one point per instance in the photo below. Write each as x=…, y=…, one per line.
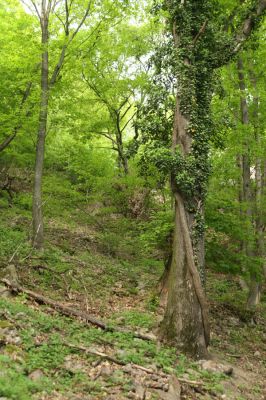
x=164, y=280
x=40, y=148
x=122, y=159
x=185, y=322
x=255, y=286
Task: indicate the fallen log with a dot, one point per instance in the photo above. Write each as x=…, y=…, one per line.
x=70, y=312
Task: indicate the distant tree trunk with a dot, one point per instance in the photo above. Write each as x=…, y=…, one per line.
x=43, y=12
x=255, y=286
x=40, y=148
x=122, y=159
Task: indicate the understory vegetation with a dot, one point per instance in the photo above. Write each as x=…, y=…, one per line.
x=132, y=200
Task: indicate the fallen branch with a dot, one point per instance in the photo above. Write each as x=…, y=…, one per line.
x=88, y=350
x=46, y=268
x=70, y=312
x=234, y=355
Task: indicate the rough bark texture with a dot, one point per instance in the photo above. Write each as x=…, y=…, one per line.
x=164, y=281
x=185, y=322
x=40, y=148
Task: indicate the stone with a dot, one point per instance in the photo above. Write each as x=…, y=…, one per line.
x=36, y=375
x=140, y=391
x=174, y=392
x=5, y=293
x=212, y=366
x=106, y=370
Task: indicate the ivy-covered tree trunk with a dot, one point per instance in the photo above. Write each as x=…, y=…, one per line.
x=185, y=323
x=199, y=47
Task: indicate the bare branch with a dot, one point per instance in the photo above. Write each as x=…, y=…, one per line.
x=126, y=111
x=60, y=19
x=82, y=20
x=122, y=104
x=105, y=134
x=58, y=66
x=98, y=94
x=130, y=119
x=36, y=9
x=8, y=140
x=66, y=25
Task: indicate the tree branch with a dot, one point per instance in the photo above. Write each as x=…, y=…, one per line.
x=36, y=9
x=200, y=32
x=248, y=25
x=10, y=138
x=82, y=21
x=69, y=40
x=130, y=119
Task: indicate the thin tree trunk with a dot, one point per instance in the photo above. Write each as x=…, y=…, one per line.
x=253, y=296
x=255, y=286
x=47, y=7
x=40, y=148
x=122, y=159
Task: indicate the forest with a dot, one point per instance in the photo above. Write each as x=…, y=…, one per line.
x=132, y=199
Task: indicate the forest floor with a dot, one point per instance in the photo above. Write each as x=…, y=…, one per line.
x=94, y=262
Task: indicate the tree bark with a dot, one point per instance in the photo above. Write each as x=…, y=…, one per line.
x=255, y=286
x=246, y=182
x=256, y=223
x=40, y=148
x=164, y=281
x=185, y=322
